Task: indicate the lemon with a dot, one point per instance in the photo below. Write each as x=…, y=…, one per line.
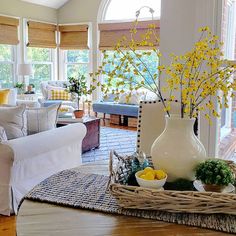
x=160, y=174
x=142, y=176
x=147, y=169
x=149, y=176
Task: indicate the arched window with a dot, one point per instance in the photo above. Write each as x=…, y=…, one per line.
x=120, y=10
x=124, y=11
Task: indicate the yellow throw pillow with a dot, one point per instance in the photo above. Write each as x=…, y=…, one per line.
x=60, y=95
x=4, y=96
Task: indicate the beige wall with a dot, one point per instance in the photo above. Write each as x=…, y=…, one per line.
x=27, y=10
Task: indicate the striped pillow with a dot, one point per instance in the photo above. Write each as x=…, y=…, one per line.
x=60, y=95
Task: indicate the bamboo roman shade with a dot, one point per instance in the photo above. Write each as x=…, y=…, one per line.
x=41, y=35
x=111, y=33
x=9, y=30
x=73, y=36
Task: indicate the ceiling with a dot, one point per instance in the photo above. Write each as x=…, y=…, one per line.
x=48, y=3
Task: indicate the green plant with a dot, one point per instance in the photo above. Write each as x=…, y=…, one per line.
x=19, y=85
x=214, y=171
x=78, y=87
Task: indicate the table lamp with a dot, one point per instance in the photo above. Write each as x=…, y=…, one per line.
x=25, y=70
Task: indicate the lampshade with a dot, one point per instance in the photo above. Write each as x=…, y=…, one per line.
x=25, y=69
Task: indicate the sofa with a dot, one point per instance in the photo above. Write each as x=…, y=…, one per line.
x=26, y=161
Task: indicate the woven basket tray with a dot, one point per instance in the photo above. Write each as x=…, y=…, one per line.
x=134, y=197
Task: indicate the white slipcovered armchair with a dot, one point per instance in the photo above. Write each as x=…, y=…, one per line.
x=45, y=85
x=26, y=161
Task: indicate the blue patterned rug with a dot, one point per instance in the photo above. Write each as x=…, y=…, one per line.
x=71, y=188
x=123, y=141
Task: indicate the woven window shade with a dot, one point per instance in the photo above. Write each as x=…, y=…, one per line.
x=41, y=35
x=9, y=30
x=73, y=36
x=111, y=33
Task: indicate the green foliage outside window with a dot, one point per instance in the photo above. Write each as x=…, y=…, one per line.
x=42, y=65
x=113, y=60
x=77, y=63
x=6, y=66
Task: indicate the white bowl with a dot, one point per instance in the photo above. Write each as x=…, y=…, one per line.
x=155, y=184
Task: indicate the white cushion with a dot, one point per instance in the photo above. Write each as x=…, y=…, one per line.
x=13, y=120
x=41, y=119
x=3, y=136
x=135, y=98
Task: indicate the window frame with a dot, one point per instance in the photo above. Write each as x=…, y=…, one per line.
x=53, y=53
x=229, y=54
x=13, y=63
x=66, y=63
x=62, y=75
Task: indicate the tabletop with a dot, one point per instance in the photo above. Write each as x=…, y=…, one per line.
x=35, y=218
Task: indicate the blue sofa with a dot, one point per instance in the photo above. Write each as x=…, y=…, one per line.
x=116, y=108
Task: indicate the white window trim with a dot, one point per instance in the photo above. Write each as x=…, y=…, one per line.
x=229, y=52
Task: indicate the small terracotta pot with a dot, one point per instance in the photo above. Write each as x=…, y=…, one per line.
x=213, y=188
x=79, y=113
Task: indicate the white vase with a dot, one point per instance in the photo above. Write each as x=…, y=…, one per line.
x=178, y=150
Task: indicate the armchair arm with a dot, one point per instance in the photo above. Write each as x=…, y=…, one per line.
x=6, y=162
x=38, y=156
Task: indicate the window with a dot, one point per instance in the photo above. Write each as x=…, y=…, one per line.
x=76, y=62
x=116, y=11
x=7, y=65
x=43, y=66
x=151, y=61
x=230, y=54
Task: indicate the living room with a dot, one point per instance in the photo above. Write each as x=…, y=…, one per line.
x=60, y=56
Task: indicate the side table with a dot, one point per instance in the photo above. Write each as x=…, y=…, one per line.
x=92, y=138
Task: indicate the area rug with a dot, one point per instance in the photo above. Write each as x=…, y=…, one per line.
x=88, y=191
x=123, y=141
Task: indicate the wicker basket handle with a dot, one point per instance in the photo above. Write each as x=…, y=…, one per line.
x=111, y=171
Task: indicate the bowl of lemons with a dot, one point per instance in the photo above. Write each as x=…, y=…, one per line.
x=150, y=178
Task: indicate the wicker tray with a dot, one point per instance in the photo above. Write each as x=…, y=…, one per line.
x=134, y=197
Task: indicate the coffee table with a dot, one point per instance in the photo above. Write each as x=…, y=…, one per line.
x=92, y=138
x=35, y=218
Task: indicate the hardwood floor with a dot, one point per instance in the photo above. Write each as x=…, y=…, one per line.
x=8, y=224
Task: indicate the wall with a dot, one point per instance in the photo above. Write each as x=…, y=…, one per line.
x=27, y=10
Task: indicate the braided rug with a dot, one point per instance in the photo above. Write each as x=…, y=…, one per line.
x=88, y=191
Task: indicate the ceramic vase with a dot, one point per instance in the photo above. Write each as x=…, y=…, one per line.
x=178, y=150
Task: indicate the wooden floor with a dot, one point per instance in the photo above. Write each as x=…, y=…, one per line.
x=8, y=224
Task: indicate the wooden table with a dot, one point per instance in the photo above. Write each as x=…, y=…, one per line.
x=43, y=219
x=92, y=138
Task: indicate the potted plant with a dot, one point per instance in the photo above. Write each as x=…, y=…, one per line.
x=214, y=174
x=20, y=87
x=78, y=87
x=195, y=79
